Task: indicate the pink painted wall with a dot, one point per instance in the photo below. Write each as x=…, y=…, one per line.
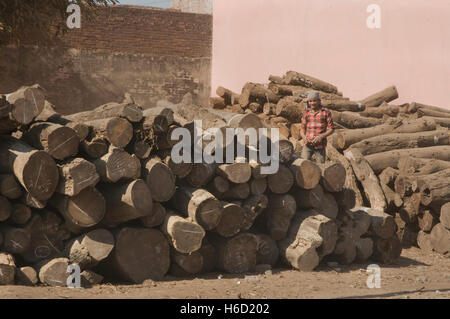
x=329, y=39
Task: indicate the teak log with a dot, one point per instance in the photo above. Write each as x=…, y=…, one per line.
x=129, y=111
x=253, y=207
x=26, y=103
x=421, y=166
x=183, y=234
x=282, y=181
x=267, y=251
x=118, y=131
x=57, y=140
x=333, y=177
x=296, y=78
x=253, y=92
x=353, y=120
x=117, y=165
x=126, y=201
x=316, y=198
x=159, y=178
x=35, y=170
x=54, y=272
x=440, y=239
x=156, y=218
x=237, y=173
x=15, y=240
x=445, y=215
x=76, y=175
x=9, y=187
x=232, y=220
x=435, y=188
x=387, y=95
x=280, y=211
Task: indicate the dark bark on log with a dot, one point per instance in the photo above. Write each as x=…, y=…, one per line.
x=387, y=95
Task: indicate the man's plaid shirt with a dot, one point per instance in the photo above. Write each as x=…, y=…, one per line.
x=315, y=123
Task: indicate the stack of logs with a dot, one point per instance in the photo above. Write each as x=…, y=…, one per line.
x=397, y=157
x=100, y=189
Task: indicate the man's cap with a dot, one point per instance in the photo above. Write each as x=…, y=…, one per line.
x=313, y=95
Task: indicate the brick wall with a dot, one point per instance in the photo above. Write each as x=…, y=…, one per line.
x=148, y=52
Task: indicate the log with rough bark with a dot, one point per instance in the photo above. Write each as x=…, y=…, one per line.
x=381, y=224
x=209, y=254
x=129, y=111
x=395, y=141
x=164, y=141
x=185, y=265
x=9, y=187
x=237, y=173
x=387, y=95
x=440, y=239
x=236, y=192
x=23, y=105
x=410, y=210
x=333, y=177
x=183, y=234
x=267, y=251
x=435, y=189
x=32, y=202
x=258, y=186
x=280, y=211
x=180, y=170
x=311, y=236
x=54, y=272
x=406, y=185
x=160, y=179
x=421, y=166
x=94, y=147
x=156, y=218
x=407, y=233
x=48, y=234
x=236, y=255
x=414, y=107
x=76, y=175
x=340, y=104
x=217, y=103
x=139, y=254
x=350, y=178
x=50, y=115
x=282, y=181
x=393, y=200
x=346, y=138
x=84, y=210
x=445, y=215
x=5, y=209
x=351, y=246
x=290, y=109
x=35, y=170
x=21, y=214
x=380, y=161
x=201, y=174
x=253, y=92
x=89, y=249
x=368, y=179
x=442, y=121
x=167, y=111
x=15, y=240
x=353, y=120
x=57, y=140
x=232, y=220
x=427, y=220
x=316, y=198
x=198, y=204
x=7, y=269
x=229, y=96
x=253, y=207
x=286, y=149
x=383, y=110
x=388, y=176
x=306, y=173
x=219, y=185
x=424, y=241
x=126, y=201
x=300, y=91
x=26, y=276
x=296, y=78
x=388, y=250
x=117, y=165
x=116, y=130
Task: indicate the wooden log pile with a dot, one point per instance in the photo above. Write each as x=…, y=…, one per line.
x=396, y=157
x=100, y=189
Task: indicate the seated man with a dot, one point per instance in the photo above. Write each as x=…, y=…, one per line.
x=317, y=125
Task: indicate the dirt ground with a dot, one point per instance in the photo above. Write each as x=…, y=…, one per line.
x=415, y=275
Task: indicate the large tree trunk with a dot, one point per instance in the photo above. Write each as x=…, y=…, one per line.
x=368, y=179
x=126, y=201
x=139, y=254
x=387, y=251
x=129, y=111
x=442, y=121
x=387, y=95
x=280, y=211
x=48, y=234
x=311, y=236
x=117, y=165
x=232, y=220
x=296, y=78
x=201, y=174
x=54, y=272
x=421, y=166
x=26, y=103
x=267, y=252
x=380, y=161
x=381, y=111
x=435, y=189
x=300, y=91
x=15, y=240
x=159, y=178
x=229, y=96
x=333, y=177
x=346, y=138
x=414, y=106
x=253, y=207
x=440, y=239
x=317, y=199
x=200, y=205
x=183, y=234
x=89, y=249
x=237, y=173
x=94, y=147
x=118, y=131
x=236, y=255
x=389, y=142
x=35, y=170
x=253, y=92
x=84, y=210
x=353, y=120
x=21, y=214
x=282, y=181
x=9, y=187
x=306, y=173
x=156, y=218
x=76, y=175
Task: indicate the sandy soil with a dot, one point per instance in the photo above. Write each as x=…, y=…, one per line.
x=415, y=275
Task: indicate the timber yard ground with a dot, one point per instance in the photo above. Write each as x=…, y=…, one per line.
x=417, y=274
